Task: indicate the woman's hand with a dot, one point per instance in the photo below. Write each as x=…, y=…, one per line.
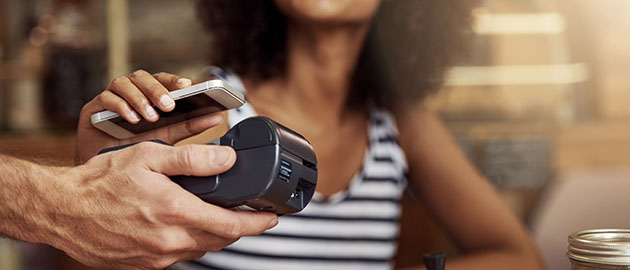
x=132, y=98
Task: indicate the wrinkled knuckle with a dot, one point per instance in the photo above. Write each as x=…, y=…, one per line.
x=144, y=146
x=141, y=101
x=189, y=127
x=171, y=245
x=144, y=150
x=186, y=156
x=189, y=245
x=156, y=88
x=233, y=230
x=138, y=73
x=163, y=244
x=138, y=103
x=120, y=80
x=102, y=97
x=122, y=107
x=175, y=209
x=160, y=74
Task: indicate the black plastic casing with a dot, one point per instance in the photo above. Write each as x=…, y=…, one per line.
x=275, y=170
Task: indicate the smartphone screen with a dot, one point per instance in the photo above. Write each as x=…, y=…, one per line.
x=185, y=109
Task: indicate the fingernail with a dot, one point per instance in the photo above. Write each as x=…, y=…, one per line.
x=273, y=223
x=134, y=116
x=167, y=101
x=151, y=112
x=220, y=156
x=184, y=82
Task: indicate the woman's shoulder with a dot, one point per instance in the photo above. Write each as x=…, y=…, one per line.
x=411, y=117
x=417, y=127
x=225, y=75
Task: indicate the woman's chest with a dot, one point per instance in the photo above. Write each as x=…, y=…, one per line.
x=338, y=162
x=340, y=149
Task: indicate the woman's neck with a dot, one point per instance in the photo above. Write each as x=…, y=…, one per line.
x=320, y=61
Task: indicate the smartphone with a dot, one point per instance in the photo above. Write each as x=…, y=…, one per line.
x=190, y=102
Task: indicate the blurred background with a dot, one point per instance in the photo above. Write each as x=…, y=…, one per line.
x=540, y=105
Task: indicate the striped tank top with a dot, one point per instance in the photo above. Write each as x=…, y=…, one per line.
x=354, y=229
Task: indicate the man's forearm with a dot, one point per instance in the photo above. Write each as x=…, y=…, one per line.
x=120, y=202
x=24, y=213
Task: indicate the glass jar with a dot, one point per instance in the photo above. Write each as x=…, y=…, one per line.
x=601, y=249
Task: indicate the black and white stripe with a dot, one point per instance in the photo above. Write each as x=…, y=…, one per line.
x=354, y=229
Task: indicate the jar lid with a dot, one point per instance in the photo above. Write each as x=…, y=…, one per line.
x=601, y=246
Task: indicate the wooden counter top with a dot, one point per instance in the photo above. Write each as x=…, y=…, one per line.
x=46, y=148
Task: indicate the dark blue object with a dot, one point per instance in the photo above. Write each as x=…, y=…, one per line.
x=435, y=260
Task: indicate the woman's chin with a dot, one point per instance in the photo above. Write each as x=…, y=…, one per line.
x=329, y=11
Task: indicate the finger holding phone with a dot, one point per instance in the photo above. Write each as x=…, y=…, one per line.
x=141, y=107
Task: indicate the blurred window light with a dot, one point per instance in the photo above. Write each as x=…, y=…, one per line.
x=518, y=23
x=518, y=75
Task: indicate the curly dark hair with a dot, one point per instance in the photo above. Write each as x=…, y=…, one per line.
x=410, y=45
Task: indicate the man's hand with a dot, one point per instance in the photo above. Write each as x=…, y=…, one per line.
x=119, y=210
